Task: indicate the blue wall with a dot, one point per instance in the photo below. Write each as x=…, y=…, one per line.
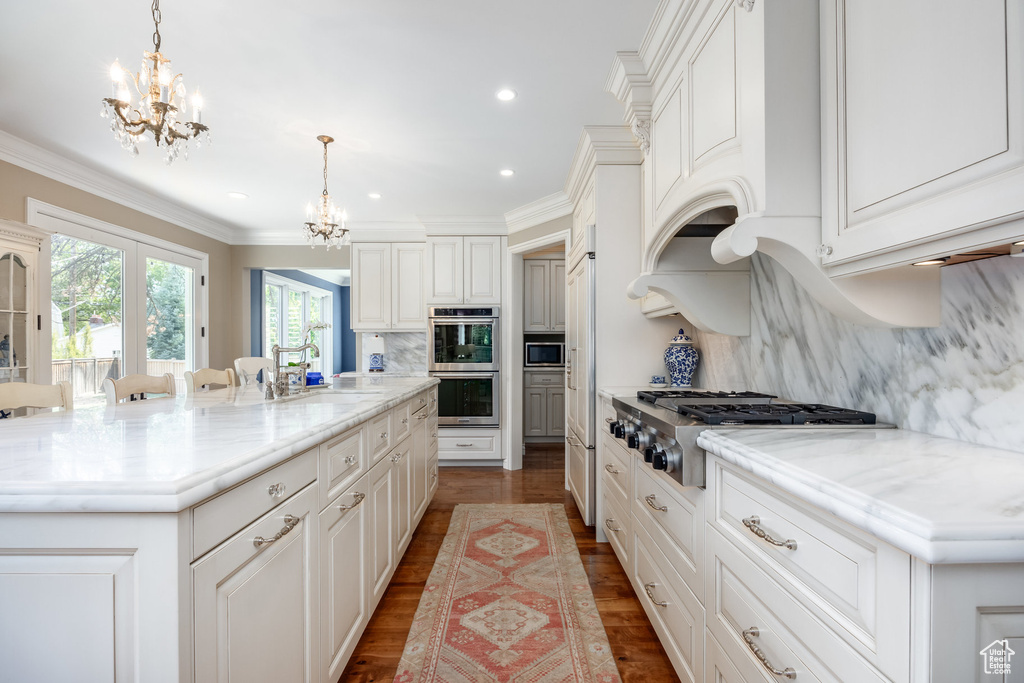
x=341, y=327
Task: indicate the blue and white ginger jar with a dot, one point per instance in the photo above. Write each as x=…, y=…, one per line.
x=681, y=360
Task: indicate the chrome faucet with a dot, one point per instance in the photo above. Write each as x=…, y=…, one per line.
x=281, y=373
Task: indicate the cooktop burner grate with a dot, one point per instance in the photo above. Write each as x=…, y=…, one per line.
x=775, y=413
x=650, y=396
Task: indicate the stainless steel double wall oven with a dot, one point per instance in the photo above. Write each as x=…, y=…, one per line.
x=464, y=355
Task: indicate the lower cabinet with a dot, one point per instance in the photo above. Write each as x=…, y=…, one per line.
x=382, y=541
x=543, y=404
x=256, y=604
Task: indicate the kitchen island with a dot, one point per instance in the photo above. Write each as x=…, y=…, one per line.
x=214, y=537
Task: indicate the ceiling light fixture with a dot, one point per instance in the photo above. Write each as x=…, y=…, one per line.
x=506, y=94
x=322, y=222
x=161, y=104
x=238, y=195
x=507, y=172
x=374, y=195
x=933, y=261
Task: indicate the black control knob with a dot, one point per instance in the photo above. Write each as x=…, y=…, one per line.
x=660, y=461
x=649, y=453
x=633, y=440
x=619, y=431
x=612, y=426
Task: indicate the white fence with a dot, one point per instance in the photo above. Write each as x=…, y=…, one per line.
x=87, y=374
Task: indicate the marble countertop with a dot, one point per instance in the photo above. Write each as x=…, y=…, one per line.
x=941, y=500
x=167, y=454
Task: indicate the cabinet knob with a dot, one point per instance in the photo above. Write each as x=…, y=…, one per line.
x=405, y=420
x=350, y=460
x=276, y=490
x=383, y=436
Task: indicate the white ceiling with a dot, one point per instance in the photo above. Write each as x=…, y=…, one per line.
x=405, y=87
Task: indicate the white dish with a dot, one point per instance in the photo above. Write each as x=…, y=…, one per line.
x=658, y=386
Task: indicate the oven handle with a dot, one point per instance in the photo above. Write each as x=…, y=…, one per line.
x=463, y=375
x=463, y=321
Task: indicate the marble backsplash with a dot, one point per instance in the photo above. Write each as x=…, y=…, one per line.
x=963, y=380
x=406, y=352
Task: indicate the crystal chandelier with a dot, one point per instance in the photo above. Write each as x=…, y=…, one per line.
x=161, y=106
x=322, y=220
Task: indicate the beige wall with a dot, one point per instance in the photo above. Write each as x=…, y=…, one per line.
x=244, y=258
x=17, y=184
x=542, y=230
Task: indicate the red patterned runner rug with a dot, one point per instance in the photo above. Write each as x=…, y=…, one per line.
x=507, y=601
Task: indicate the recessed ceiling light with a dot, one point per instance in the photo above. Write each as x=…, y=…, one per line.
x=374, y=195
x=933, y=261
x=238, y=195
x=507, y=172
x=506, y=94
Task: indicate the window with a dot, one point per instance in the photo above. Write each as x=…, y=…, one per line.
x=289, y=308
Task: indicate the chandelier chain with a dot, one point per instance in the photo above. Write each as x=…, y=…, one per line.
x=325, y=169
x=156, y=21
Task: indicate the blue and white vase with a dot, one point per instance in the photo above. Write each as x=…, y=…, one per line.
x=681, y=360
x=376, y=362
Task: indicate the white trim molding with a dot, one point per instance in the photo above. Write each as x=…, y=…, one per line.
x=537, y=212
x=464, y=225
x=629, y=83
x=33, y=158
x=600, y=145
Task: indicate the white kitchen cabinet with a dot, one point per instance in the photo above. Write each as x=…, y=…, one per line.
x=419, y=462
x=463, y=269
x=19, y=281
x=535, y=411
x=923, y=145
x=382, y=502
x=256, y=600
x=402, y=460
x=543, y=404
x=344, y=530
x=544, y=295
x=387, y=284
x=555, y=399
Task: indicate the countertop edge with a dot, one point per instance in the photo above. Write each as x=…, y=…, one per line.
x=925, y=540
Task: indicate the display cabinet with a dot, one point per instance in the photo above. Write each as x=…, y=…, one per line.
x=19, y=318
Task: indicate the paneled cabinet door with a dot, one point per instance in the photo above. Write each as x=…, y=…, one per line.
x=444, y=270
x=371, y=285
x=536, y=296
x=483, y=270
x=418, y=457
x=402, y=458
x=256, y=609
x=408, y=303
x=344, y=526
x=556, y=273
x=555, y=411
x=381, y=500
x=535, y=411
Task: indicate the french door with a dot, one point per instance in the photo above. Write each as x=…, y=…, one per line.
x=119, y=303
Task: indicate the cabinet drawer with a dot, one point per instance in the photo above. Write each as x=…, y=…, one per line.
x=543, y=379
x=343, y=459
x=469, y=447
x=419, y=401
x=853, y=580
x=747, y=609
x=678, y=529
x=674, y=611
x=401, y=421
x=220, y=517
x=615, y=473
x=618, y=526
x=720, y=667
x=381, y=437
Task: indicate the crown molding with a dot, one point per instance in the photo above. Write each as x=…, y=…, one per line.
x=33, y=158
x=361, y=232
x=464, y=225
x=629, y=83
x=613, y=145
x=541, y=211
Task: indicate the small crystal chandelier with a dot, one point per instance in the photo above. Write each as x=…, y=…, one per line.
x=322, y=221
x=161, y=104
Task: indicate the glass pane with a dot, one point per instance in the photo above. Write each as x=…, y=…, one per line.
x=271, y=318
x=316, y=336
x=465, y=397
x=5, y=282
x=463, y=343
x=19, y=284
x=170, y=331
x=295, y=323
x=86, y=315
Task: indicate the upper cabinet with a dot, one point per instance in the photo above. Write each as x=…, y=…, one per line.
x=387, y=286
x=463, y=269
x=923, y=129
x=725, y=101
x=544, y=295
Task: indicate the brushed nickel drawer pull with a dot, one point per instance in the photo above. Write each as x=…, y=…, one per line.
x=610, y=468
x=405, y=420
x=421, y=417
x=649, y=589
x=276, y=490
x=608, y=523
x=357, y=499
x=753, y=523
x=396, y=457
x=463, y=445
x=290, y=522
x=653, y=505
x=749, y=636
x=350, y=460
x=609, y=420
x=383, y=436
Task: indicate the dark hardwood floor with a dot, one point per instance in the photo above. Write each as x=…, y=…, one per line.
x=542, y=480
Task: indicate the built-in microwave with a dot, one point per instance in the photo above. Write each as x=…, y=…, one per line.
x=544, y=355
